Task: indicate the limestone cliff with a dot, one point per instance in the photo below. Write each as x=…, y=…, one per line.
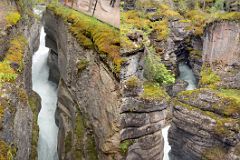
x=88, y=108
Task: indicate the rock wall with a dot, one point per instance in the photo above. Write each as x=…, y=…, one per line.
x=141, y=118
x=21, y=105
x=206, y=121
x=88, y=111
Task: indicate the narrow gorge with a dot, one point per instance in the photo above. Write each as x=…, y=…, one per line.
x=165, y=85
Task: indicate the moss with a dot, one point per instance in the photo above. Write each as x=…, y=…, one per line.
x=16, y=50
x=12, y=18
x=7, y=152
x=132, y=82
x=228, y=101
x=91, y=148
x=34, y=104
x=7, y=74
x=208, y=77
x=162, y=29
x=68, y=142
x=187, y=106
x=231, y=16
x=221, y=128
x=82, y=64
x=14, y=55
x=214, y=153
x=167, y=12
x=2, y=108
x=198, y=21
x=22, y=95
x=133, y=21
x=79, y=135
x=124, y=145
x=92, y=33
x=154, y=91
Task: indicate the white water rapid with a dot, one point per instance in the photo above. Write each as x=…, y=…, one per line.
x=48, y=131
x=187, y=75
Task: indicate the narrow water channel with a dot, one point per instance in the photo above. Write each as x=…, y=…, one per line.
x=186, y=74
x=48, y=131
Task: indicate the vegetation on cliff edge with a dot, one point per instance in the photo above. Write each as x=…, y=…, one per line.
x=92, y=33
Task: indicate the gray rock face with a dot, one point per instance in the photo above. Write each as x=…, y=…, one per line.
x=179, y=86
x=221, y=51
x=88, y=112
x=221, y=43
x=52, y=62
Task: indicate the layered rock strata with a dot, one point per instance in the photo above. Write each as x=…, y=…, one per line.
x=206, y=121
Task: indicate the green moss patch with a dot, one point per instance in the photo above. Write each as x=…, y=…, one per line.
x=82, y=64
x=82, y=138
x=12, y=18
x=154, y=91
x=214, y=153
x=92, y=33
x=208, y=77
x=228, y=104
x=224, y=126
x=162, y=29
x=6, y=152
x=33, y=102
x=132, y=82
x=14, y=55
x=124, y=145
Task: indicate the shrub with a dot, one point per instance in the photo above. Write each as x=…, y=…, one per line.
x=156, y=71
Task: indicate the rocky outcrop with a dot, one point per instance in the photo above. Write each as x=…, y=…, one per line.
x=88, y=97
x=142, y=117
x=129, y=4
x=206, y=121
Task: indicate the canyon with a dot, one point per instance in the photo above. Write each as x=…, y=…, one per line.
x=81, y=96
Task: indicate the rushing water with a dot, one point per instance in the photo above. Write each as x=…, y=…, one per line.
x=167, y=147
x=48, y=131
x=187, y=75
